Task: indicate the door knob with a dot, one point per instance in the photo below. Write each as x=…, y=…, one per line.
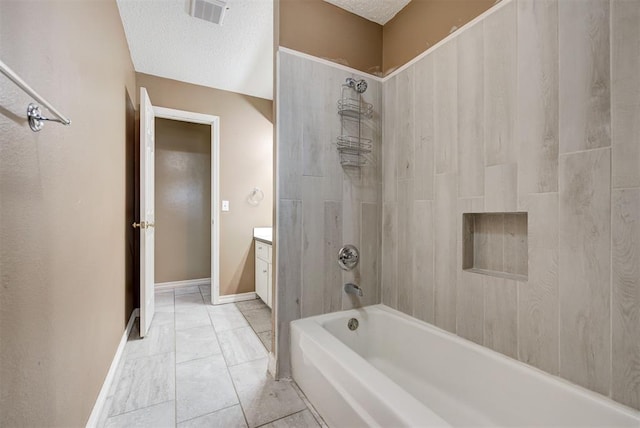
x=143, y=225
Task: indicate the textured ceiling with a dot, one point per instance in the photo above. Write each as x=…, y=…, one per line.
x=379, y=11
x=237, y=56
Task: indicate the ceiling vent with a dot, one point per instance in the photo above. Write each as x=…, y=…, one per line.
x=209, y=10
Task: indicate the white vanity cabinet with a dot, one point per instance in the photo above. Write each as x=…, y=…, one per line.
x=263, y=271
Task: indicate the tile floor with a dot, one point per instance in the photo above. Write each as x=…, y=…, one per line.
x=258, y=315
x=203, y=366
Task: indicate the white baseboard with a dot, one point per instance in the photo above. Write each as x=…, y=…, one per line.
x=98, y=407
x=172, y=285
x=231, y=298
x=271, y=367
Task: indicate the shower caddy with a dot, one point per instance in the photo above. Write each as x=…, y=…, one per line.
x=352, y=110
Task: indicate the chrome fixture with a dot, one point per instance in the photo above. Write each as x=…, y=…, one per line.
x=255, y=197
x=352, y=324
x=351, y=288
x=359, y=85
x=348, y=257
x=34, y=115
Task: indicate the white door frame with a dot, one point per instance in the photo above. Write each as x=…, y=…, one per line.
x=214, y=122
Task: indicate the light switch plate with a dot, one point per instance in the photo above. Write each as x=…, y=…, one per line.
x=225, y=205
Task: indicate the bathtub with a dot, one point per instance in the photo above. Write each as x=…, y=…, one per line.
x=396, y=371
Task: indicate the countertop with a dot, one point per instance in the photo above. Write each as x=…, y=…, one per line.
x=263, y=234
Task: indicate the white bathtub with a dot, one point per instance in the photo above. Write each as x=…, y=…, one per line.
x=395, y=371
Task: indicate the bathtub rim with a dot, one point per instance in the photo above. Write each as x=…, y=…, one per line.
x=587, y=394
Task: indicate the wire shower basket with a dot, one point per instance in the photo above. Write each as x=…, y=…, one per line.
x=352, y=110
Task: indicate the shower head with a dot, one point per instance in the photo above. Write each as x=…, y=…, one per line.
x=358, y=85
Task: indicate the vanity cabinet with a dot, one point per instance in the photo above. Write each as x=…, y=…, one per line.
x=263, y=272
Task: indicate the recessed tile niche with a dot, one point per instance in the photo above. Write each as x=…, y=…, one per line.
x=496, y=244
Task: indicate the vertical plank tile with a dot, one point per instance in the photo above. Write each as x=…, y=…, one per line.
x=369, y=253
x=470, y=288
x=500, y=85
x=515, y=244
x=585, y=104
x=312, y=294
x=406, y=230
x=538, y=297
x=584, y=268
x=289, y=149
x=445, y=258
x=445, y=107
x=389, y=255
x=314, y=138
x=625, y=92
x=351, y=216
x=332, y=244
x=500, y=188
x=537, y=102
x=471, y=112
x=424, y=132
x=501, y=315
x=423, y=258
x=405, y=143
x=332, y=170
x=626, y=296
x=350, y=208
x=389, y=145
x=470, y=306
x=316, y=117
x=289, y=248
x=376, y=99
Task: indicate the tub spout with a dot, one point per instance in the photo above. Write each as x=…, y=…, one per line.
x=351, y=288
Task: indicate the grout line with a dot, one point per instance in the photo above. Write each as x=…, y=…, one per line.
x=281, y=418
x=611, y=268
x=135, y=410
x=199, y=358
x=175, y=365
x=613, y=189
x=248, y=361
x=211, y=413
x=584, y=151
x=235, y=390
x=310, y=407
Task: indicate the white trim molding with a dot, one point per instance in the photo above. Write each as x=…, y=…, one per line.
x=98, y=407
x=329, y=63
x=231, y=298
x=171, y=285
x=214, y=122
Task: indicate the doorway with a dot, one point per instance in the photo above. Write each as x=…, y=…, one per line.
x=148, y=114
x=192, y=243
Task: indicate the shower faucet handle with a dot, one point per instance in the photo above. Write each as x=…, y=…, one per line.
x=348, y=257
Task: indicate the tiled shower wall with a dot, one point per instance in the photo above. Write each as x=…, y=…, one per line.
x=320, y=206
x=535, y=108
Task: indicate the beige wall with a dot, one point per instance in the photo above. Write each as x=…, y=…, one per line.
x=183, y=201
x=323, y=30
x=246, y=153
x=490, y=139
x=326, y=31
x=62, y=209
x=422, y=24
